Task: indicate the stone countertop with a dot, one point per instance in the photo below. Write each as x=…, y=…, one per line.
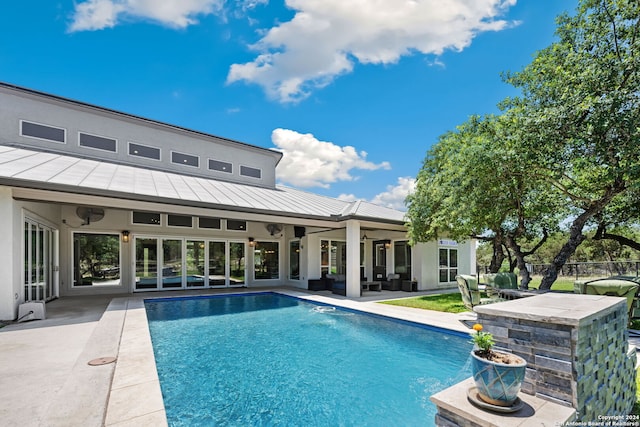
x=534, y=412
x=560, y=308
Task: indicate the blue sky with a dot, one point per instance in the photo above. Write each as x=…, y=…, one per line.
x=354, y=92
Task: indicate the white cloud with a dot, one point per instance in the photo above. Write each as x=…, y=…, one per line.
x=325, y=38
x=309, y=162
x=100, y=14
x=251, y=4
x=347, y=197
x=396, y=194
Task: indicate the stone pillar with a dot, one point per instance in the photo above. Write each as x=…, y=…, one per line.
x=576, y=348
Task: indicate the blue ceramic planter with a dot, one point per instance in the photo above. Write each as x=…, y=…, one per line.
x=497, y=383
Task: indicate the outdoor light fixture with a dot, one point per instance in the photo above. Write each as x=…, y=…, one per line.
x=125, y=236
x=252, y=242
x=364, y=237
x=387, y=244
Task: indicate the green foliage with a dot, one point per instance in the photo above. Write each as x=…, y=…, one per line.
x=567, y=148
x=483, y=340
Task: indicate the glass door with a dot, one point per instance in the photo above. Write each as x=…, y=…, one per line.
x=172, y=261
x=146, y=263
x=379, y=260
x=217, y=264
x=237, y=263
x=195, y=261
x=40, y=258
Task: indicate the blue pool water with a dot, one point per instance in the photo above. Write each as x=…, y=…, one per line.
x=272, y=360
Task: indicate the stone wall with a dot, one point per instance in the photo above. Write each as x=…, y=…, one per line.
x=575, y=346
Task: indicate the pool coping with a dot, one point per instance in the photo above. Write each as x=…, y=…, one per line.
x=135, y=397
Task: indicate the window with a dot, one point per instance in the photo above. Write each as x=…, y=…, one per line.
x=251, y=172
x=294, y=260
x=185, y=159
x=96, y=259
x=148, y=218
x=235, y=225
x=448, y=265
x=333, y=257
x=265, y=259
x=97, y=142
x=216, y=165
x=179, y=220
x=209, y=223
x=49, y=133
x=144, y=151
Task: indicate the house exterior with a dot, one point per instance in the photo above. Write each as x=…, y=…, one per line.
x=95, y=201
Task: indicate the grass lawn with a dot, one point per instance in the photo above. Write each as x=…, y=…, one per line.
x=449, y=303
x=452, y=303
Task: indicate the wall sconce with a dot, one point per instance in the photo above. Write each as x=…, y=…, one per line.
x=387, y=244
x=364, y=237
x=125, y=236
x=252, y=242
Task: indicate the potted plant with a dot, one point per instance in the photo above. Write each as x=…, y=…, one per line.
x=498, y=375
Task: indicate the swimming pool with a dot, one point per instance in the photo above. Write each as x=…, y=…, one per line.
x=270, y=359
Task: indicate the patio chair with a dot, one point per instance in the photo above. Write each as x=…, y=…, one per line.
x=614, y=287
x=471, y=295
x=496, y=281
x=393, y=283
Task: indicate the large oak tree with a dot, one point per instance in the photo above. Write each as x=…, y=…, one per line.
x=580, y=113
x=568, y=146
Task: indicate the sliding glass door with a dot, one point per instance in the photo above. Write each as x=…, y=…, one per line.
x=172, y=255
x=181, y=263
x=146, y=263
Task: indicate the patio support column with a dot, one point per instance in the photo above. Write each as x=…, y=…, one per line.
x=9, y=255
x=353, y=258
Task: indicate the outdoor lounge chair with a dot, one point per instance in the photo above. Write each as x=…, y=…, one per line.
x=471, y=294
x=496, y=281
x=614, y=287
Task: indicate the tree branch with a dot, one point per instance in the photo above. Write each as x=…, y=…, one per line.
x=601, y=234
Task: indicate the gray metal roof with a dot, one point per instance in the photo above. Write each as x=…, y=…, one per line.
x=42, y=170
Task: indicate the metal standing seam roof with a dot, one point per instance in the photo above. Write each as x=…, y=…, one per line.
x=35, y=169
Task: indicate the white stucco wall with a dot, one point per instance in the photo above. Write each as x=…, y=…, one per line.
x=8, y=258
x=425, y=263
x=75, y=117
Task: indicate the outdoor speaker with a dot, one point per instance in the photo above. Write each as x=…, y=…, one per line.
x=298, y=231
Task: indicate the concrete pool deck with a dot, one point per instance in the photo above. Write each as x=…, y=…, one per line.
x=47, y=381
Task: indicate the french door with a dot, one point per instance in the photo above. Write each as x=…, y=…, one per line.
x=380, y=260
x=185, y=263
x=40, y=261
